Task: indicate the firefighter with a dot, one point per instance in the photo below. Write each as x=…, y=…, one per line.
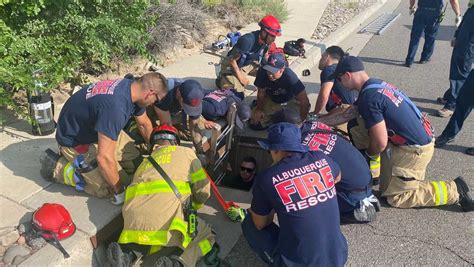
x=89, y=134
x=427, y=19
x=216, y=104
x=182, y=107
x=331, y=94
x=398, y=130
x=278, y=87
x=356, y=202
x=462, y=60
x=299, y=188
x=247, y=54
x=464, y=105
x=158, y=220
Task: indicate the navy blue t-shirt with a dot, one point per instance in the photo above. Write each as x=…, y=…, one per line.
x=215, y=104
x=339, y=95
x=170, y=103
x=104, y=107
x=375, y=105
x=355, y=172
x=281, y=90
x=300, y=188
x=431, y=4
x=249, y=48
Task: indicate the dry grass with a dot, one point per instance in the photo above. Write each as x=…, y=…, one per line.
x=177, y=24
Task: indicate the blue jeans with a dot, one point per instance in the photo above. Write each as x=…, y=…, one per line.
x=464, y=105
x=349, y=201
x=425, y=20
x=263, y=242
x=462, y=59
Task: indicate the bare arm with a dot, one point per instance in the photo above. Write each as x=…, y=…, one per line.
x=257, y=113
x=378, y=138
x=163, y=116
x=235, y=67
x=144, y=126
x=107, y=161
x=302, y=98
x=455, y=6
x=262, y=221
x=338, y=179
x=323, y=97
x=196, y=135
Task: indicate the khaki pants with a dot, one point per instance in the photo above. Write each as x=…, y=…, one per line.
x=360, y=139
x=270, y=108
x=227, y=78
x=95, y=183
x=402, y=178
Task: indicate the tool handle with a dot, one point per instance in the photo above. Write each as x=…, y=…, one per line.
x=218, y=195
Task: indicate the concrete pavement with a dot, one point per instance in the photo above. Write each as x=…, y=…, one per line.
x=424, y=236
x=22, y=189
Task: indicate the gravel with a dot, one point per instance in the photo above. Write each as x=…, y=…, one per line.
x=337, y=14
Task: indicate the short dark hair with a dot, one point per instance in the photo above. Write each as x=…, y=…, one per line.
x=250, y=159
x=335, y=52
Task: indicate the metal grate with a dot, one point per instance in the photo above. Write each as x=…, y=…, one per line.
x=380, y=24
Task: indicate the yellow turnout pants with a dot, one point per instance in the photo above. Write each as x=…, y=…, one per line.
x=402, y=178
x=95, y=184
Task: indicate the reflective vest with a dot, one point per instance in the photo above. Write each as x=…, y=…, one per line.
x=152, y=214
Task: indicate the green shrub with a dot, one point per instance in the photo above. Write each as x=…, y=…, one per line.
x=65, y=38
x=68, y=38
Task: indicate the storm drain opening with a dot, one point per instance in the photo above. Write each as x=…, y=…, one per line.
x=380, y=24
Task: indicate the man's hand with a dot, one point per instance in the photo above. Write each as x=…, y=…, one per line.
x=244, y=81
x=412, y=10
x=209, y=124
x=453, y=42
x=458, y=20
x=257, y=116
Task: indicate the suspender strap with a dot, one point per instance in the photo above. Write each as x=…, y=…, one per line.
x=165, y=177
x=405, y=98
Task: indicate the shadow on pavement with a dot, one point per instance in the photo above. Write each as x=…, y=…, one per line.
x=454, y=148
x=383, y=61
x=430, y=111
x=9, y=120
x=445, y=32
x=423, y=100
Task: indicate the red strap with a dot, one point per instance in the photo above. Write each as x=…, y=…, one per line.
x=82, y=149
x=398, y=140
x=335, y=98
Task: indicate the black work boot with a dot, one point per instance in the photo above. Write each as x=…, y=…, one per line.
x=48, y=163
x=465, y=198
x=169, y=261
x=212, y=258
x=117, y=258
x=442, y=140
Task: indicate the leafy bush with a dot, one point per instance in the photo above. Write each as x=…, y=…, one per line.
x=65, y=38
x=68, y=38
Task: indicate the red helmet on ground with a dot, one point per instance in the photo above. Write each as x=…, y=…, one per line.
x=164, y=131
x=53, y=221
x=271, y=25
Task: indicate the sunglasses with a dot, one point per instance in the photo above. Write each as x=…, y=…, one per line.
x=242, y=168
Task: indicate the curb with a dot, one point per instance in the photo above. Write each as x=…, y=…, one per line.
x=313, y=54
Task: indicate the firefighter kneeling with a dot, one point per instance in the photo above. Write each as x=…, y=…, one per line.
x=160, y=218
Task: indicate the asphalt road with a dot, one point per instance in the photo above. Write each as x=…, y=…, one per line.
x=425, y=236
